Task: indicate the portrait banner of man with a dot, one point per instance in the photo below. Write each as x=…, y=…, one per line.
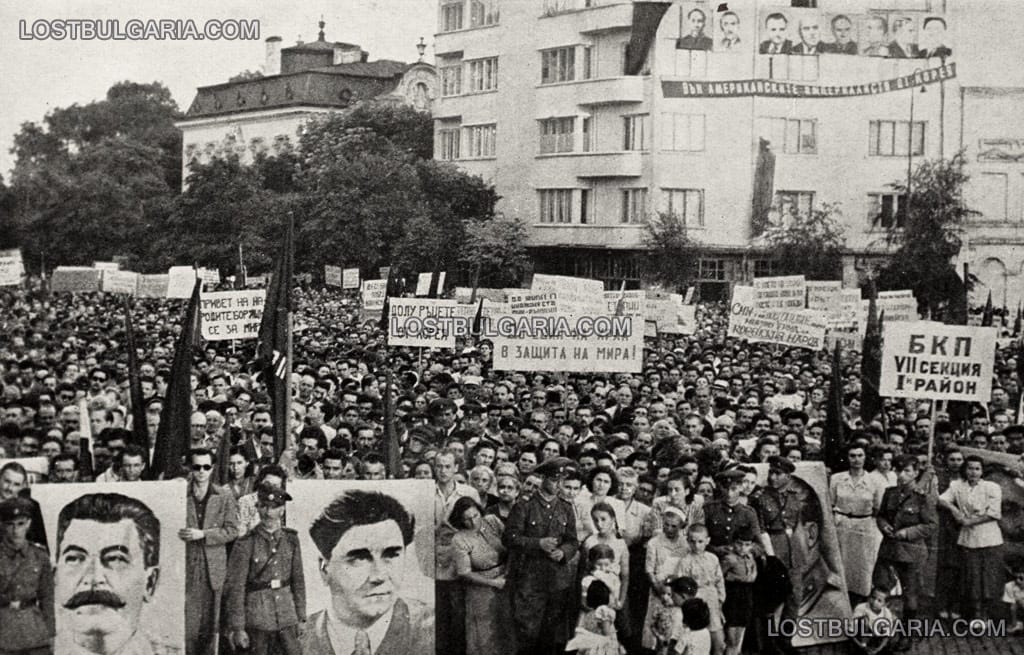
x=695, y=27
x=776, y=31
x=37, y=468
x=119, y=567
x=364, y=545
x=733, y=30
x=805, y=540
x=840, y=34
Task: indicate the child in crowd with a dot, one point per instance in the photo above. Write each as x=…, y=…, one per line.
x=695, y=639
x=668, y=624
x=1013, y=595
x=595, y=630
x=607, y=534
x=874, y=623
x=739, y=568
x=601, y=560
x=703, y=567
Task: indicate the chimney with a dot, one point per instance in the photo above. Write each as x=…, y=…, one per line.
x=273, y=62
x=345, y=53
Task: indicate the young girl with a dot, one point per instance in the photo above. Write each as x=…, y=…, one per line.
x=595, y=630
x=668, y=625
x=695, y=640
x=739, y=568
x=868, y=639
x=703, y=567
x=601, y=567
x=606, y=532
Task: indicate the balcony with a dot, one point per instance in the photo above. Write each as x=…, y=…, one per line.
x=610, y=91
x=627, y=237
x=609, y=164
x=593, y=20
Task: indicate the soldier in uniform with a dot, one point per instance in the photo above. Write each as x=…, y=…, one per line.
x=727, y=516
x=541, y=537
x=26, y=585
x=265, y=590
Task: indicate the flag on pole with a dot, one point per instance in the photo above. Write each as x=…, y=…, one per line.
x=834, y=441
x=646, y=19
x=173, y=435
x=987, y=315
x=478, y=319
x=620, y=304
x=871, y=361
x=385, y=310
x=272, y=346
x=140, y=435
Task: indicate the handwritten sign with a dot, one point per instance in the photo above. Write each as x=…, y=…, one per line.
x=75, y=279
x=421, y=322
x=11, y=267
x=924, y=359
x=332, y=276
x=126, y=282
x=350, y=278
x=803, y=328
x=231, y=314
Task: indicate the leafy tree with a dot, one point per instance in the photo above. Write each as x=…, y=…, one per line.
x=377, y=124
x=9, y=229
x=928, y=240
x=674, y=255
x=495, y=251
x=809, y=245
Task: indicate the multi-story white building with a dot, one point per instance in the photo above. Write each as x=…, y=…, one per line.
x=267, y=113
x=535, y=97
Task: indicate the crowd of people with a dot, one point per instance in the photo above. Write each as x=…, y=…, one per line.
x=666, y=511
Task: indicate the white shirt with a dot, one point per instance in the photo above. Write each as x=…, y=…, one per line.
x=343, y=636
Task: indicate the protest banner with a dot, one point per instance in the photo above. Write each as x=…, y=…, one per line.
x=180, y=281
x=120, y=282
x=633, y=303
x=825, y=296
x=11, y=267
x=688, y=299
x=75, y=279
x=925, y=359
x=350, y=278
x=525, y=301
x=423, y=283
x=36, y=468
x=670, y=313
x=464, y=294
x=574, y=295
x=252, y=281
x=523, y=350
x=846, y=339
x=418, y=322
x=785, y=292
x=106, y=266
x=803, y=328
x=373, y=294
x=849, y=315
x=209, y=276
x=153, y=286
x=227, y=315
x=332, y=276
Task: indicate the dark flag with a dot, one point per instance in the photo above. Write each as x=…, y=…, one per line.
x=834, y=441
x=386, y=309
x=392, y=447
x=172, y=438
x=987, y=315
x=1017, y=321
x=272, y=347
x=478, y=319
x=140, y=435
x=646, y=19
x=764, y=188
x=871, y=361
x=436, y=288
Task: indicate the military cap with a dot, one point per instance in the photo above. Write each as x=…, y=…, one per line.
x=726, y=478
x=423, y=433
x=15, y=508
x=509, y=423
x=1014, y=429
x=474, y=380
x=554, y=467
x=475, y=409
x=271, y=495
x=781, y=464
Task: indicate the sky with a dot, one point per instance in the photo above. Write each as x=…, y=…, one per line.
x=37, y=75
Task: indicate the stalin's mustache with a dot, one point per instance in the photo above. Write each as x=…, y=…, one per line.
x=94, y=597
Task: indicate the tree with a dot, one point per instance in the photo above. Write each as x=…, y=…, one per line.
x=809, y=245
x=495, y=251
x=927, y=241
x=10, y=236
x=674, y=256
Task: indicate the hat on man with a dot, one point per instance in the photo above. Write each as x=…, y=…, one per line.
x=554, y=468
x=781, y=464
x=272, y=496
x=726, y=478
x=474, y=380
x=15, y=508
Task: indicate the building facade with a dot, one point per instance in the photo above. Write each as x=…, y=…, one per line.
x=267, y=112
x=586, y=127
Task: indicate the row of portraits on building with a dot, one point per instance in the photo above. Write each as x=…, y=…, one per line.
x=784, y=31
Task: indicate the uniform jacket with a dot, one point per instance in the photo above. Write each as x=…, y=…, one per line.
x=256, y=560
x=411, y=632
x=221, y=527
x=531, y=521
x=25, y=575
x=912, y=511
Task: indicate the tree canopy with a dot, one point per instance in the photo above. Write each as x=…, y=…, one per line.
x=808, y=244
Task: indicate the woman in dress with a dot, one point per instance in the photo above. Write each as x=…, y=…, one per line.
x=976, y=505
x=481, y=478
x=856, y=497
x=602, y=487
x=479, y=558
x=507, y=487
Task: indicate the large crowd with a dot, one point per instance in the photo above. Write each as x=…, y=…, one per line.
x=605, y=513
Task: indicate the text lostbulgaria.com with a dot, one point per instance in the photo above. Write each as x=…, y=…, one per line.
x=137, y=29
x=834, y=628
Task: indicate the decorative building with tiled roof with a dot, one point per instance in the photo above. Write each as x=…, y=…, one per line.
x=267, y=112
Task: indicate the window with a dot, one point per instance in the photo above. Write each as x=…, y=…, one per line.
x=887, y=210
x=711, y=269
x=448, y=144
x=556, y=134
x=794, y=203
x=890, y=138
x=688, y=204
x=635, y=131
x=483, y=75
x=480, y=140
x=558, y=65
x=585, y=206
x=765, y=267
x=483, y=12
x=792, y=136
x=589, y=138
x=451, y=16
x=451, y=80
x=555, y=205
x=634, y=205
x=587, y=71
x=684, y=132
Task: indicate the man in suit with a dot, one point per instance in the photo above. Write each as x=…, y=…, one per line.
x=212, y=523
x=777, y=44
x=695, y=39
x=810, y=37
x=842, y=30
x=362, y=537
x=934, y=29
x=904, y=32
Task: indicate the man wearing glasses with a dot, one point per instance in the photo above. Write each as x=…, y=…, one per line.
x=212, y=523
